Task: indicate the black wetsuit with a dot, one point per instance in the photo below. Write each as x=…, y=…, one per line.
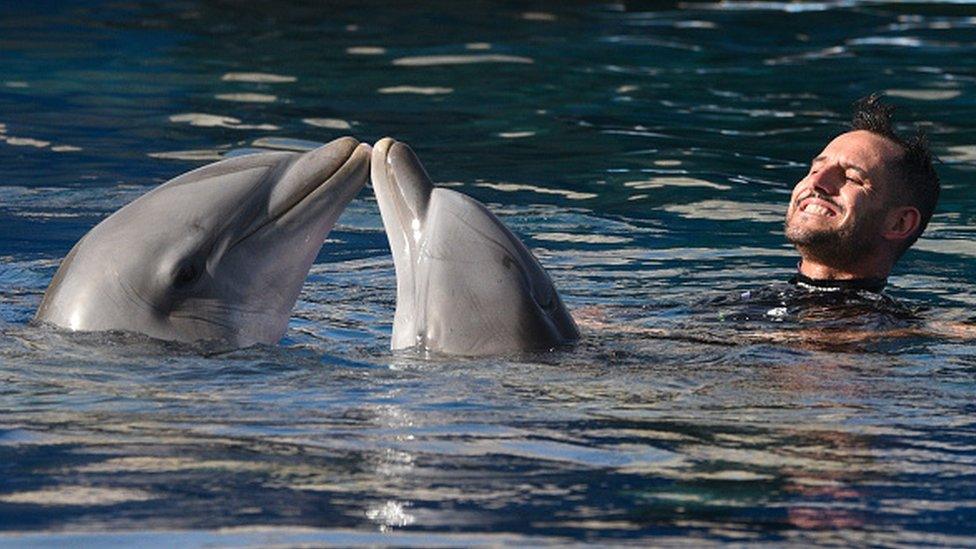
x=822, y=303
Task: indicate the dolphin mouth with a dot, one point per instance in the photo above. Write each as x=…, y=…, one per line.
x=328, y=166
x=335, y=166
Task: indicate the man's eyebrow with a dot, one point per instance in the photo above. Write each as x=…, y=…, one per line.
x=861, y=171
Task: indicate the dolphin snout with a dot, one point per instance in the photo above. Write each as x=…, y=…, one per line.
x=399, y=178
x=315, y=169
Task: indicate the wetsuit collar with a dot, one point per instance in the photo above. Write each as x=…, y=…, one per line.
x=867, y=284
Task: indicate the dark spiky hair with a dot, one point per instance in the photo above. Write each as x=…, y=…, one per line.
x=918, y=183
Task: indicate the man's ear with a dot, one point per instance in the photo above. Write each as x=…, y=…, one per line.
x=901, y=223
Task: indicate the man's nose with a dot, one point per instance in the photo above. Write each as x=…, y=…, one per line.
x=828, y=179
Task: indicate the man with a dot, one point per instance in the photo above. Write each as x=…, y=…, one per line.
x=867, y=198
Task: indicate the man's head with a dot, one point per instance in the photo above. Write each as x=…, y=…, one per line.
x=867, y=198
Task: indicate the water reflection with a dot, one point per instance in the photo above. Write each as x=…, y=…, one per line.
x=643, y=150
x=394, y=467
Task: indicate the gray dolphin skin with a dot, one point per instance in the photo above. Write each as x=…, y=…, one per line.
x=217, y=254
x=465, y=284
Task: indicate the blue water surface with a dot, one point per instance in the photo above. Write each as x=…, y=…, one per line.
x=645, y=151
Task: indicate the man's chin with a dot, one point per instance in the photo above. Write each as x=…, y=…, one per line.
x=827, y=247
x=814, y=243
x=805, y=236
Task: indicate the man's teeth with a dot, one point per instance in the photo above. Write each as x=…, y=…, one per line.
x=817, y=209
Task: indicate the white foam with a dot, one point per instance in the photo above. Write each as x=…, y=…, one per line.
x=200, y=154
x=582, y=238
x=898, y=41
x=257, y=77
x=25, y=142
x=674, y=181
x=247, y=97
x=695, y=24
x=205, y=120
x=517, y=187
x=833, y=51
x=924, y=95
x=948, y=246
x=788, y=7
x=331, y=123
x=153, y=464
x=959, y=153
x=435, y=60
x=365, y=50
x=47, y=215
x=286, y=144
x=727, y=210
x=538, y=16
x=78, y=495
x=418, y=90
x=390, y=514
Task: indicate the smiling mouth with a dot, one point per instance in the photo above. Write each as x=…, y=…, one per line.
x=818, y=207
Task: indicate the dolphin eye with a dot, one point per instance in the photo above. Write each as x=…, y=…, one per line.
x=187, y=275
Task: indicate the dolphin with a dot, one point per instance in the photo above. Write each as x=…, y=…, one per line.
x=218, y=254
x=465, y=284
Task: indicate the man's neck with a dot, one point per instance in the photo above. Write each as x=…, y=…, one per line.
x=811, y=268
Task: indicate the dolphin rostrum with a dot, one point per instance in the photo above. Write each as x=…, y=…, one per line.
x=216, y=254
x=465, y=284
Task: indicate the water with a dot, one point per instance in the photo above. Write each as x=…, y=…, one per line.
x=644, y=151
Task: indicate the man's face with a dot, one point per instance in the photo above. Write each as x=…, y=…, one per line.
x=837, y=211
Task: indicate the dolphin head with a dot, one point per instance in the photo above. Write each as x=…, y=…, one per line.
x=465, y=284
x=219, y=253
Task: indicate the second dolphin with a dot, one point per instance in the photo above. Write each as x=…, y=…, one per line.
x=465, y=284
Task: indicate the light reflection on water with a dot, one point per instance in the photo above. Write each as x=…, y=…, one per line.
x=645, y=156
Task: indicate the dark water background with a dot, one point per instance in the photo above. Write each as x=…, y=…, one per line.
x=643, y=150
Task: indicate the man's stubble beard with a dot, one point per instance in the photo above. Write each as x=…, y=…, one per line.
x=841, y=247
